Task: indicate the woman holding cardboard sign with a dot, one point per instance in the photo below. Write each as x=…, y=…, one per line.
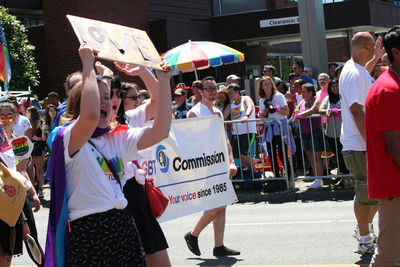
x=92, y=158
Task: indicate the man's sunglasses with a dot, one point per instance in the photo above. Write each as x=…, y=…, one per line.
x=134, y=97
x=9, y=118
x=120, y=94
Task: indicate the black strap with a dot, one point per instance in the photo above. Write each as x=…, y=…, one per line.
x=108, y=165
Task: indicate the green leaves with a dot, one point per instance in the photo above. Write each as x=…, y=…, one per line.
x=24, y=70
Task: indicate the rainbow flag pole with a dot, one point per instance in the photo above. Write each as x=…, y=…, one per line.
x=5, y=67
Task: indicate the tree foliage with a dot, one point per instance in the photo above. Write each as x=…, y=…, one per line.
x=24, y=70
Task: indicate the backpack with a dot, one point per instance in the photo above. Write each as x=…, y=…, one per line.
x=12, y=194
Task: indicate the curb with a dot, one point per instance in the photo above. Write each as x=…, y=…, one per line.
x=297, y=194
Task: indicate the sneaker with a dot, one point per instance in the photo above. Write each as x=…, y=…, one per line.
x=224, y=251
x=40, y=193
x=356, y=233
x=368, y=247
x=317, y=184
x=191, y=242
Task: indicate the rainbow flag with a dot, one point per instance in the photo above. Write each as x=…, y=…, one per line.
x=5, y=68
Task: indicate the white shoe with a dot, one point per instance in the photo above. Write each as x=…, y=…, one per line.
x=367, y=247
x=317, y=184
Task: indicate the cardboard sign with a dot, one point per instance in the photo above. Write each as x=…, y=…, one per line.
x=22, y=147
x=116, y=42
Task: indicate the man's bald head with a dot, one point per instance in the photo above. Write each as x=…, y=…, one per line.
x=361, y=39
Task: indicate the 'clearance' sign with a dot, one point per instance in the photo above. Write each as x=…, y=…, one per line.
x=279, y=22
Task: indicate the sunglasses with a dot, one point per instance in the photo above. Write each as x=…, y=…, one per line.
x=134, y=97
x=5, y=118
x=211, y=89
x=119, y=93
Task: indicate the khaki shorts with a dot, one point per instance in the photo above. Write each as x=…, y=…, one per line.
x=356, y=163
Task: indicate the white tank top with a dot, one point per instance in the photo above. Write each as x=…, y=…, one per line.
x=237, y=112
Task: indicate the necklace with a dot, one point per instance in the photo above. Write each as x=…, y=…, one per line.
x=395, y=72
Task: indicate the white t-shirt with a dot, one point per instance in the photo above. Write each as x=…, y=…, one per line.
x=136, y=117
x=91, y=187
x=277, y=100
x=354, y=84
x=202, y=110
x=21, y=125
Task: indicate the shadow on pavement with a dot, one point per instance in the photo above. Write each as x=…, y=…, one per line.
x=221, y=261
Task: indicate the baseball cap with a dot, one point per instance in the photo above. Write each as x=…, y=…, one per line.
x=232, y=77
x=179, y=92
x=181, y=86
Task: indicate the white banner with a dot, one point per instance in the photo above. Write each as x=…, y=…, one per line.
x=191, y=167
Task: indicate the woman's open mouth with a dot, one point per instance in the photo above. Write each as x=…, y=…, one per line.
x=114, y=108
x=103, y=114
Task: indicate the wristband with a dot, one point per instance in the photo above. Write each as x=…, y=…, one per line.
x=296, y=116
x=335, y=110
x=276, y=107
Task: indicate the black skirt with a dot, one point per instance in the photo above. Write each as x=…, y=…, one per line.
x=105, y=239
x=8, y=234
x=150, y=232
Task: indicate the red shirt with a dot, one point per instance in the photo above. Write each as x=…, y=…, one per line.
x=382, y=114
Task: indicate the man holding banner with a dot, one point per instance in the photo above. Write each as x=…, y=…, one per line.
x=208, y=90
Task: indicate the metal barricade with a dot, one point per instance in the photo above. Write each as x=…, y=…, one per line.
x=288, y=168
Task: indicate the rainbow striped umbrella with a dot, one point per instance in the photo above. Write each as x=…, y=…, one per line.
x=201, y=55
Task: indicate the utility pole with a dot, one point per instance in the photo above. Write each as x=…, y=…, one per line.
x=312, y=34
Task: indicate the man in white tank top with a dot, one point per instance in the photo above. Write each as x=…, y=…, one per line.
x=205, y=107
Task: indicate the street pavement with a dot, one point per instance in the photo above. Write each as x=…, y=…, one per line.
x=285, y=231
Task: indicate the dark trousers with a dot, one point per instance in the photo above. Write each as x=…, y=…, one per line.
x=276, y=142
x=337, y=149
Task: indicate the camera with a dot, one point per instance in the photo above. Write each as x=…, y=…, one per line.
x=268, y=106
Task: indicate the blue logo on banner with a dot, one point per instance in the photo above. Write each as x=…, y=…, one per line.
x=162, y=158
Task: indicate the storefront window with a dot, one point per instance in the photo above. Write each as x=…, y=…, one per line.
x=226, y=7
x=283, y=63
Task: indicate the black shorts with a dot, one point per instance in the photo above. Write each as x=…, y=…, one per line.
x=241, y=144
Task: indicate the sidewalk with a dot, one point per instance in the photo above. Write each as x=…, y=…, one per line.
x=301, y=192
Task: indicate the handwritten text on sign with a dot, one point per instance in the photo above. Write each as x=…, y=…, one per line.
x=116, y=42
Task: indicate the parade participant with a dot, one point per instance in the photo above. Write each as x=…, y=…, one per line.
x=331, y=107
x=311, y=131
x=208, y=90
x=154, y=242
x=38, y=137
x=11, y=237
x=88, y=162
x=273, y=105
x=233, y=78
x=196, y=97
x=298, y=69
x=383, y=162
x=70, y=81
x=244, y=133
x=180, y=106
x=354, y=83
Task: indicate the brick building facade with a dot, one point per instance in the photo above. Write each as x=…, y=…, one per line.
x=173, y=22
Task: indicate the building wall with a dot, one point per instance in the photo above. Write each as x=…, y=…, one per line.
x=276, y=4
x=338, y=49
x=61, y=44
x=179, y=10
